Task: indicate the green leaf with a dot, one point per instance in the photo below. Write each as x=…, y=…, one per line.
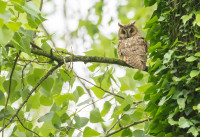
x=46, y=128
x=194, y=131
x=89, y=132
x=197, y=54
x=197, y=20
x=3, y=5
x=181, y=103
x=162, y=101
x=60, y=99
x=56, y=121
x=46, y=117
x=167, y=56
x=194, y=73
x=183, y=123
x=185, y=18
x=138, y=75
x=149, y=2
x=106, y=108
x=21, y=40
x=98, y=92
x=172, y=122
x=47, y=84
x=140, y=133
x=66, y=75
x=31, y=8
x=191, y=59
x=80, y=121
x=2, y=99
x=14, y=26
x=78, y=93
x=152, y=21
x=34, y=100
x=127, y=133
x=95, y=116
x=5, y=35
x=45, y=101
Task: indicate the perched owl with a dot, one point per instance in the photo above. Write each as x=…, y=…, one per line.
x=131, y=47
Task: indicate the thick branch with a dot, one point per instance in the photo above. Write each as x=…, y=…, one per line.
x=30, y=93
x=78, y=58
x=122, y=128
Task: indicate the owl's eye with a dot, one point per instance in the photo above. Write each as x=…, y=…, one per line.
x=123, y=31
x=131, y=30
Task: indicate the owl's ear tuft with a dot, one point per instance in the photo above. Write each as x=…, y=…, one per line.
x=133, y=22
x=120, y=25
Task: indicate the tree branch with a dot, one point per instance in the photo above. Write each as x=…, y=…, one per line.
x=9, y=90
x=26, y=127
x=122, y=128
x=30, y=93
x=76, y=58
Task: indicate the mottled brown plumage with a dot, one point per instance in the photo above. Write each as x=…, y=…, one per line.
x=131, y=47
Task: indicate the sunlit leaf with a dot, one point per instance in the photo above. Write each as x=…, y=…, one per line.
x=5, y=35
x=88, y=132
x=95, y=116
x=106, y=108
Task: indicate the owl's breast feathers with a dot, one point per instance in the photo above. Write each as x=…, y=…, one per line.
x=133, y=51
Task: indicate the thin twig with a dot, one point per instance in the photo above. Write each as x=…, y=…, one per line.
x=101, y=88
x=41, y=4
x=118, y=121
x=122, y=128
x=91, y=103
x=88, y=91
x=30, y=93
x=9, y=90
x=26, y=127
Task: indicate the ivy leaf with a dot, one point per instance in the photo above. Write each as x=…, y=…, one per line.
x=185, y=18
x=197, y=54
x=181, y=103
x=183, y=123
x=89, y=132
x=149, y=2
x=194, y=73
x=95, y=116
x=194, y=131
x=191, y=59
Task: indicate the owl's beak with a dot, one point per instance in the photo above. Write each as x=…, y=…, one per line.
x=127, y=35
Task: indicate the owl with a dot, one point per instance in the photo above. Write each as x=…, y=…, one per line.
x=131, y=47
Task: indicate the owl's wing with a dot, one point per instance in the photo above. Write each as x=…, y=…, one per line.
x=146, y=44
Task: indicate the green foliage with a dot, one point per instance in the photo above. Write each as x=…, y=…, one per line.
x=174, y=71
